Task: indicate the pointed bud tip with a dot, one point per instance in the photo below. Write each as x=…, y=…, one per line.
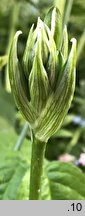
x=40, y=23
x=32, y=26
x=73, y=40
x=54, y=10
x=18, y=33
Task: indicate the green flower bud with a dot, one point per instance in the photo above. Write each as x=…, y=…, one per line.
x=44, y=85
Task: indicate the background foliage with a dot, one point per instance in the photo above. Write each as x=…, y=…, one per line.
x=60, y=180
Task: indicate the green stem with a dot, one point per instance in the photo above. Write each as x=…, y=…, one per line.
x=38, y=150
x=81, y=45
x=74, y=139
x=21, y=137
x=67, y=13
x=13, y=23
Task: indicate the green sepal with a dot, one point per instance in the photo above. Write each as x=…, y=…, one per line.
x=52, y=60
x=60, y=67
x=44, y=40
x=54, y=22
x=47, y=19
x=64, y=48
x=18, y=83
x=56, y=27
x=38, y=80
x=58, y=103
x=29, y=52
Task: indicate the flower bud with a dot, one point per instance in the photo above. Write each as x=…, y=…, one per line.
x=43, y=88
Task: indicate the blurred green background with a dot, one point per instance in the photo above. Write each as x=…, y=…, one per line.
x=69, y=142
